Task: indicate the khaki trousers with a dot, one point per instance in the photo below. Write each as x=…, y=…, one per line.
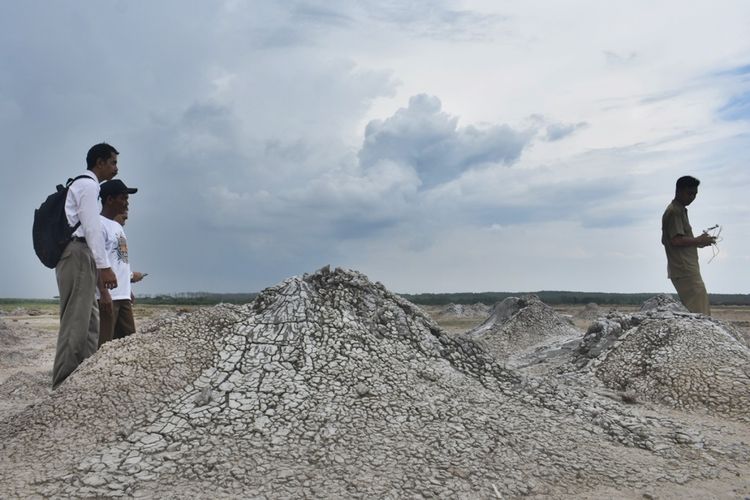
x=692, y=293
x=118, y=323
x=79, y=312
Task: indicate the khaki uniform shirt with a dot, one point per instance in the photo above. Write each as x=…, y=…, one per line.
x=681, y=261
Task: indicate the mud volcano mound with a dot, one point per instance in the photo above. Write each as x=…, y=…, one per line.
x=466, y=310
x=329, y=386
x=663, y=301
x=517, y=324
x=676, y=358
x=590, y=311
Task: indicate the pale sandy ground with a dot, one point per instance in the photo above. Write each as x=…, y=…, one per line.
x=27, y=350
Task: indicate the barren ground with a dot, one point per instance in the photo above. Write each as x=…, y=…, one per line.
x=27, y=347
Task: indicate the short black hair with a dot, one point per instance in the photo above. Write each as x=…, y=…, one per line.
x=101, y=151
x=686, y=181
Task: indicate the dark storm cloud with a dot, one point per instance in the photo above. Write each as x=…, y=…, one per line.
x=429, y=140
x=194, y=103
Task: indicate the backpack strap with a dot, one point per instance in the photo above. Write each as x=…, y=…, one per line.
x=67, y=185
x=71, y=181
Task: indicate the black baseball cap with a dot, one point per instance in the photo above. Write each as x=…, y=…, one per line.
x=115, y=187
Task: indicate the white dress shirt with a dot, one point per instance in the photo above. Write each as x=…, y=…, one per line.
x=82, y=205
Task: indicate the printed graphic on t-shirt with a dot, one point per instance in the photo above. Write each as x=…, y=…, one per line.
x=122, y=249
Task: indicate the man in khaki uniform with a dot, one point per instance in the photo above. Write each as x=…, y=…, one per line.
x=682, y=248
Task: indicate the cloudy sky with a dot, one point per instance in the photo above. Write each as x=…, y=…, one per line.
x=436, y=146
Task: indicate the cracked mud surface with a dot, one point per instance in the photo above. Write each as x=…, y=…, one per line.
x=330, y=386
x=669, y=356
x=518, y=327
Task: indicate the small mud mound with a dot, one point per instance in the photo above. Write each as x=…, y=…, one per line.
x=679, y=359
x=590, y=312
x=329, y=386
x=20, y=346
x=663, y=301
x=9, y=337
x=106, y=396
x=477, y=310
x=518, y=324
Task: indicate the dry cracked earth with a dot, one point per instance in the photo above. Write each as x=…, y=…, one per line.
x=330, y=386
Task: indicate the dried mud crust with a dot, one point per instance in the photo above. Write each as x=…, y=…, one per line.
x=26, y=356
x=675, y=358
x=330, y=386
x=518, y=326
x=465, y=310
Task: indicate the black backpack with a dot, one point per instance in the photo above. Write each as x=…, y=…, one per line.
x=51, y=231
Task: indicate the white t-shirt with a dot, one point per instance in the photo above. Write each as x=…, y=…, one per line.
x=116, y=246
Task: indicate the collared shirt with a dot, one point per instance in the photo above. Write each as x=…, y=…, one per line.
x=681, y=261
x=82, y=205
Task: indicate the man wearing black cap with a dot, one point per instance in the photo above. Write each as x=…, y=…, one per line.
x=116, y=305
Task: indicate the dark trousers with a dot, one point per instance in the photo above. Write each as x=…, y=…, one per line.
x=117, y=324
x=79, y=312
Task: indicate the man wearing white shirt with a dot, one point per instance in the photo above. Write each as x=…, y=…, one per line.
x=83, y=262
x=116, y=305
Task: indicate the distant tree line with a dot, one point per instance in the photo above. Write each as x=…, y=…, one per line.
x=560, y=298
x=196, y=298
x=489, y=298
x=432, y=299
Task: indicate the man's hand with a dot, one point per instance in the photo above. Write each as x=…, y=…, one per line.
x=105, y=302
x=107, y=278
x=701, y=241
x=132, y=298
x=136, y=277
x=704, y=240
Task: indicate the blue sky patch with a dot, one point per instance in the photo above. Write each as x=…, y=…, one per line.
x=737, y=108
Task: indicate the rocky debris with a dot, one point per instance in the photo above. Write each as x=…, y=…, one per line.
x=670, y=357
x=518, y=327
x=329, y=386
x=476, y=310
x=663, y=301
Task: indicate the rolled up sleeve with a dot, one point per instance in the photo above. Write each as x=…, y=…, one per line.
x=674, y=226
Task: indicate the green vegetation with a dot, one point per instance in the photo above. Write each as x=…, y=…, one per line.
x=41, y=306
x=196, y=299
x=430, y=299
x=27, y=302
x=560, y=298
